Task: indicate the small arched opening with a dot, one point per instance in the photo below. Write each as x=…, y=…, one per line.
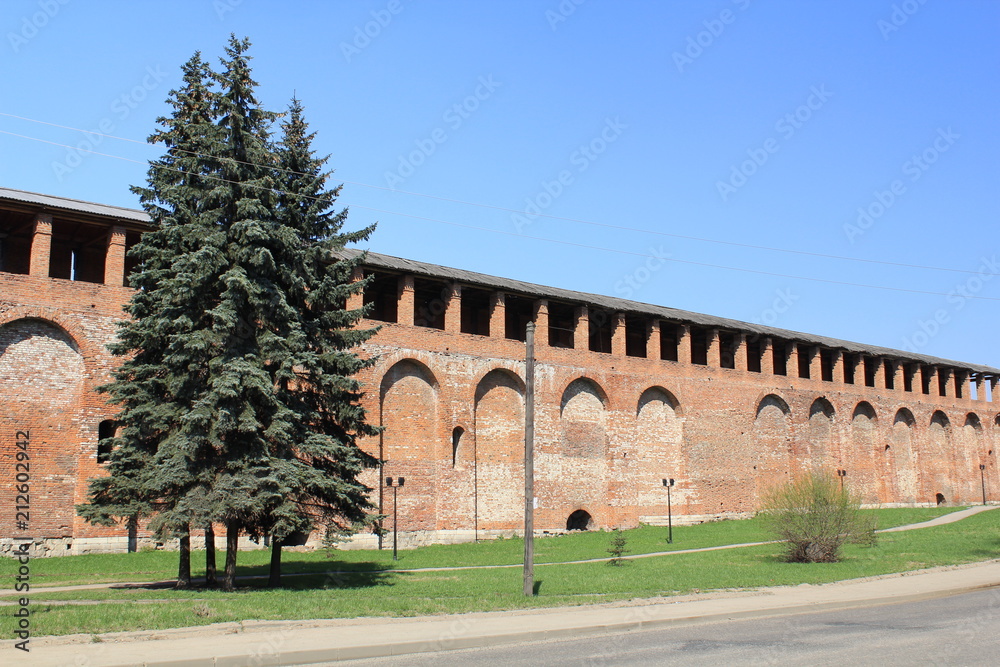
x=939, y=498
x=579, y=520
x=456, y=441
x=106, y=429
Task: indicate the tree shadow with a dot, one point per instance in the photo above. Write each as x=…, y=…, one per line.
x=297, y=576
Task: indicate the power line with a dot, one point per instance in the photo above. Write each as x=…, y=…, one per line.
x=540, y=238
x=653, y=232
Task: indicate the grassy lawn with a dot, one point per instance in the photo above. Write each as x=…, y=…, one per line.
x=360, y=589
x=160, y=565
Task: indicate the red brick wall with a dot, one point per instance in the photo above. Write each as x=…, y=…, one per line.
x=608, y=427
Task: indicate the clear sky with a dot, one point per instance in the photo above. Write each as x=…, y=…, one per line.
x=633, y=148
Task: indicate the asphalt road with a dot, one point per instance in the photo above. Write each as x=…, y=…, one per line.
x=956, y=630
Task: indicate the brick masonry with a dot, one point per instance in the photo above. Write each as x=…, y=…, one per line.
x=610, y=425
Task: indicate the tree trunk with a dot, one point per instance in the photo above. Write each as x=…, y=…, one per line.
x=232, y=544
x=184, y=564
x=210, y=555
x=274, y=578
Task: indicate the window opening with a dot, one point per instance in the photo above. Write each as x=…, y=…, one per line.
x=475, y=310
x=668, y=341
x=754, y=354
x=870, y=366
x=456, y=441
x=826, y=365
x=382, y=296
x=636, y=329
x=518, y=311
x=106, y=429
x=779, y=356
x=804, y=354
x=602, y=326
x=561, y=324
x=430, y=300
x=727, y=349
x=699, y=346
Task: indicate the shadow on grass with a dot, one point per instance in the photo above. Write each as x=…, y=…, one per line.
x=296, y=576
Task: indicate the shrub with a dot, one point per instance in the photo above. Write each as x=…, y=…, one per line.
x=815, y=516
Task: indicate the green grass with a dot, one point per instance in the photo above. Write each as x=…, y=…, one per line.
x=161, y=565
x=368, y=592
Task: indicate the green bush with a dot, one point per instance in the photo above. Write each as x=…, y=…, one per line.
x=816, y=516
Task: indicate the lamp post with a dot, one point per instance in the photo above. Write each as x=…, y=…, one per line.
x=982, y=480
x=389, y=482
x=841, y=474
x=670, y=521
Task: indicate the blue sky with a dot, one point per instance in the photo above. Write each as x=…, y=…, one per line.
x=699, y=155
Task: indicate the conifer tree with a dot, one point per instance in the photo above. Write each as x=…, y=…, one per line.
x=237, y=398
x=316, y=456
x=151, y=462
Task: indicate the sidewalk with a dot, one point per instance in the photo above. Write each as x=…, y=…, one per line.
x=305, y=642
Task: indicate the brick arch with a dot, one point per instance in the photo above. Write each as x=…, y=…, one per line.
x=55, y=318
x=939, y=465
x=573, y=387
x=657, y=392
x=906, y=416
x=865, y=408
x=498, y=457
x=774, y=400
x=583, y=441
x=412, y=437
x=658, y=451
x=772, y=433
x=43, y=375
x=968, y=454
x=500, y=371
x=820, y=441
x=904, y=455
x=866, y=457
x=395, y=365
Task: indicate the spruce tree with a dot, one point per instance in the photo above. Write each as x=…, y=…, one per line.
x=152, y=460
x=237, y=395
x=316, y=457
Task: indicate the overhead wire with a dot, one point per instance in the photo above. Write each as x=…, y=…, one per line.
x=653, y=232
x=541, y=238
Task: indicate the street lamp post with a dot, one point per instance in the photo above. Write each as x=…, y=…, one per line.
x=982, y=480
x=389, y=482
x=670, y=521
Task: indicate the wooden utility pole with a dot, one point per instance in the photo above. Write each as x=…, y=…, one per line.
x=529, y=462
